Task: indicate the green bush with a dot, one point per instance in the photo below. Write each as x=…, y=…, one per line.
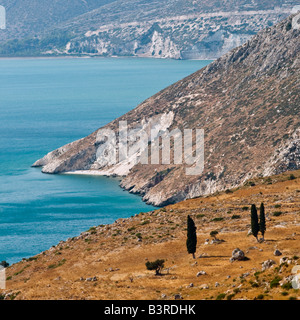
x=145, y=222
x=287, y=286
x=221, y=296
x=275, y=282
x=156, y=265
x=214, y=233
x=218, y=219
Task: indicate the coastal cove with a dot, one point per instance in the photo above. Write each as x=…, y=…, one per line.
x=46, y=103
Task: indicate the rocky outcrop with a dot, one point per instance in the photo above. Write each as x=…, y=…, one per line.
x=198, y=36
x=247, y=102
x=237, y=255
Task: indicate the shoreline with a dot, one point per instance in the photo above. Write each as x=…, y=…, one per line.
x=94, y=57
x=91, y=173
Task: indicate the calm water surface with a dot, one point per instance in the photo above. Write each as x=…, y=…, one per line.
x=46, y=103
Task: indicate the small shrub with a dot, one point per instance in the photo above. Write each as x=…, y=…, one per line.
x=217, y=219
x=245, y=208
x=254, y=285
x=257, y=273
x=275, y=282
x=277, y=206
x=287, y=286
x=60, y=263
x=235, y=216
x=293, y=298
x=198, y=216
x=292, y=177
x=145, y=222
x=268, y=180
x=277, y=213
x=221, y=296
x=92, y=230
x=139, y=235
x=157, y=265
x=284, y=293
x=260, y=297
x=214, y=233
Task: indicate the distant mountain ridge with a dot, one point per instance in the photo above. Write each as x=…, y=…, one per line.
x=179, y=29
x=248, y=104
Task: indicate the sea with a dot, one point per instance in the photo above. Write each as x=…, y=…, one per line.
x=46, y=103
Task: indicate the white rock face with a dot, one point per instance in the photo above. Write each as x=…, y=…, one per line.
x=193, y=36
x=52, y=162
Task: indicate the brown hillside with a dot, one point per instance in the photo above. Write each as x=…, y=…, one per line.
x=116, y=254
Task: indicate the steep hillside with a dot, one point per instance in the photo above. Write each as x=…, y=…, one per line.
x=248, y=104
x=108, y=262
x=29, y=18
x=177, y=29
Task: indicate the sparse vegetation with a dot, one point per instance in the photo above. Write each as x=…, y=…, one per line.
x=156, y=265
x=217, y=219
x=221, y=296
x=214, y=234
x=104, y=252
x=58, y=264
x=275, y=282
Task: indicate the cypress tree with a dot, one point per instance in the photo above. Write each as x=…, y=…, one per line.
x=191, y=241
x=262, y=220
x=254, y=221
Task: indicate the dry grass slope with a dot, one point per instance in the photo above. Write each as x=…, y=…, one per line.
x=108, y=262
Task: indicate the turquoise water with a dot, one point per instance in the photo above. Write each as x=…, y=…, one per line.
x=46, y=103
